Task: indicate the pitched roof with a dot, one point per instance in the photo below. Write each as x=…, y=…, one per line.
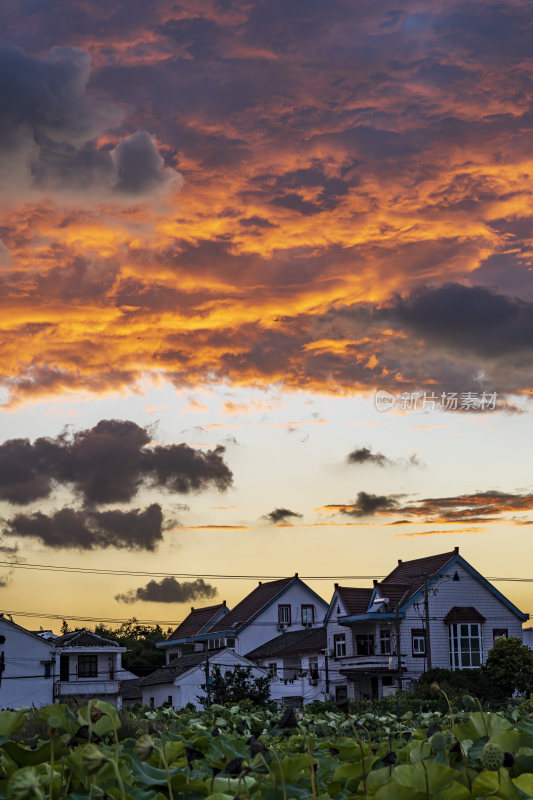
x=131, y=689
x=354, y=600
x=252, y=604
x=170, y=672
x=83, y=638
x=463, y=614
x=310, y=640
x=394, y=592
x=195, y=622
x=413, y=573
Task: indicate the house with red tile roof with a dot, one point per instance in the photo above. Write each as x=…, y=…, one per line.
x=187, y=637
x=272, y=609
x=436, y=611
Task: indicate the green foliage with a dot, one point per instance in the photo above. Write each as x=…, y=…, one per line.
x=143, y=657
x=510, y=666
x=235, y=685
x=240, y=753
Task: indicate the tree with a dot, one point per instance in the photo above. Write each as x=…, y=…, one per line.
x=143, y=657
x=510, y=666
x=234, y=685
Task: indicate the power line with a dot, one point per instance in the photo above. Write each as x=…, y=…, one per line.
x=212, y=576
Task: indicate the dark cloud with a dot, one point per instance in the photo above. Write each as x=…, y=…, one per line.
x=50, y=126
x=363, y=455
x=169, y=590
x=136, y=529
x=105, y=464
x=281, y=515
x=472, y=318
x=366, y=504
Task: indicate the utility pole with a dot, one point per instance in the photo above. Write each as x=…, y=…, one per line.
x=398, y=646
x=207, y=679
x=326, y=667
x=426, y=617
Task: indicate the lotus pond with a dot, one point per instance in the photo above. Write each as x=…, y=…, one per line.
x=227, y=754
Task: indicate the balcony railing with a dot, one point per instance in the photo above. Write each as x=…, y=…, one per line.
x=86, y=687
x=375, y=662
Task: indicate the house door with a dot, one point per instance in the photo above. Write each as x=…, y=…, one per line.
x=374, y=687
x=64, y=668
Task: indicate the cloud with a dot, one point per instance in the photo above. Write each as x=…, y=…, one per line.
x=281, y=515
x=363, y=455
x=487, y=506
x=105, y=464
x=366, y=504
x=135, y=529
x=50, y=131
x=169, y=590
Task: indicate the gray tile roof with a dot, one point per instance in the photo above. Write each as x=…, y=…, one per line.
x=311, y=640
x=170, y=672
x=83, y=638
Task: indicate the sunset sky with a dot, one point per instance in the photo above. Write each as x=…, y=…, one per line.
x=225, y=226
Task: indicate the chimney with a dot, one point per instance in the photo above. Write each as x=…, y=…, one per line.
x=456, y=550
x=375, y=581
x=336, y=585
x=223, y=602
x=260, y=583
x=295, y=574
x=192, y=608
x=399, y=561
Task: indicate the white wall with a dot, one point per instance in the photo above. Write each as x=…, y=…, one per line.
x=186, y=688
x=265, y=626
x=467, y=591
x=23, y=682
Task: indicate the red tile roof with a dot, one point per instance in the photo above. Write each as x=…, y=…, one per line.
x=413, y=573
x=252, y=604
x=196, y=622
x=354, y=600
x=463, y=614
x=395, y=592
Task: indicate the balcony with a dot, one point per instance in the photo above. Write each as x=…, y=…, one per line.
x=375, y=663
x=86, y=687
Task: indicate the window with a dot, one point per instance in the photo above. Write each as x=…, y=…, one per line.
x=173, y=657
x=364, y=644
x=47, y=669
x=465, y=645
x=87, y=666
x=498, y=632
x=385, y=643
x=387, y=681
x=215, y=644
x=339, y=645
x=284, y=615
x=169, y=700
x=273, y=669
x=313, y=667
x=230, y=641
x=341, y=694
x=152, y=702
x=418, y=642
x=308, y=615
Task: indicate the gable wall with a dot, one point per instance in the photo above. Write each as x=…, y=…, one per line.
x=23, y=681
x=468, y=591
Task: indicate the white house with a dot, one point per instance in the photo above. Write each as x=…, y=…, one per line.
x=184, y=639
x=88, y=666
x=27, y=667
x=287, y=604
x=436, y=611
x=296, y=662
x=182, y=680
